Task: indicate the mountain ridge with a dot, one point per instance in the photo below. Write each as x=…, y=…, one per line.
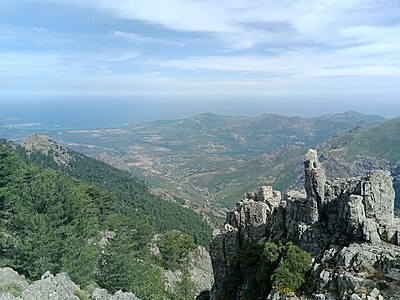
x=190, y=156
x=208, y=156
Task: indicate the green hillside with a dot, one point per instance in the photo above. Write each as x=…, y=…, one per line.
x=347, y=153
x=132, y=194
x=381, y=141
x=90, y=220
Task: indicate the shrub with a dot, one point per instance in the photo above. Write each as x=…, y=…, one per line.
x=82, y=295
x=278, y=266
x=292, y=269
x=175, y=247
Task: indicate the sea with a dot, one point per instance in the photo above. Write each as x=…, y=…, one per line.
x=83, y=112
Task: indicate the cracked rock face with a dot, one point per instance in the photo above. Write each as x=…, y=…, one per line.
x=346, y=224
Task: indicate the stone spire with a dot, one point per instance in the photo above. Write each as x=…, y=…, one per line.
x=314, y=184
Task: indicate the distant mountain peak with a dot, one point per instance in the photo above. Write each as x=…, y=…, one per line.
x=206, y=116
x=355, y=116
x=351, y=113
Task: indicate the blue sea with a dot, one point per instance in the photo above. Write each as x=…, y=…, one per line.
x=79, y=113
x=88, y=113
x=104, y=112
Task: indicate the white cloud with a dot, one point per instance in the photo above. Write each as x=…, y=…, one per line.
x=254, y=43
x=369, y=60
x=179, y=15
x=140, y=39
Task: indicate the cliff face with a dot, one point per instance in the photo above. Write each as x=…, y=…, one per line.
x=348, y=225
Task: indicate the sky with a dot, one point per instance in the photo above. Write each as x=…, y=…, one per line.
x=287, y=51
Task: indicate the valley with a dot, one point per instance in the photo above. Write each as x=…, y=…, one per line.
x=210, y=161
x=174, y=180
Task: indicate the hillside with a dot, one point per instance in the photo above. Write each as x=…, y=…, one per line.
x=347, y=153
x=209, y=159
x=363, y=149
x=380, y=141
x=65, y=212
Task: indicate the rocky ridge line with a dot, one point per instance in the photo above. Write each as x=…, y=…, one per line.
x=348, y=225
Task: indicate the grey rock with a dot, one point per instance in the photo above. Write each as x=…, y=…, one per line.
x=224, y=245
x=50, y=287
x=330, y=296
x=172, y=279
x=119, y=295
x=348, y=225
x=281, y=296
x=7, y=296
x=378, y=193
x=356, y=216
x=348, y=283
x=393, y=274
x=375, y=293
x=200, y=269
x=325, y=276
x=100, y=294
x=11, y=283
x=268, y=195
x=314, y=183
x=252, y=220
x=46, y=146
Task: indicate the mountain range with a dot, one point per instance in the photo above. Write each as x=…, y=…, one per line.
x=210, y=161
x=148, y=240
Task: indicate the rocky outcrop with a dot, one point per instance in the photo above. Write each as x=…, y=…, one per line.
x=59, y=287
x=348, y=225
x=200, y=272
x=46, y=146
x=200, y=269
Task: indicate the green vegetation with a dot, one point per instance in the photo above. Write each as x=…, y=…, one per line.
x=13, y=288
x=186, y=289
x=208, y=156
x=278, y=266
x=87, y=227
x=292, y=268
x=396, y=186
x=82, y=295
x=174, y=249
x=132, y=194
x=376, y=141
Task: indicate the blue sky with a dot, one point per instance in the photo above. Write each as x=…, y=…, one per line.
x=197, y=49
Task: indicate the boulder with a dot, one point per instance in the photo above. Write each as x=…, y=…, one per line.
x=50, y=287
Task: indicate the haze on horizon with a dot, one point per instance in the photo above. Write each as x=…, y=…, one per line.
x=232, y=57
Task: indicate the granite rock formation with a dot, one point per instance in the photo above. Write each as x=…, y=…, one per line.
x=348, y=225
x=50, y=287
x=44, y=145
